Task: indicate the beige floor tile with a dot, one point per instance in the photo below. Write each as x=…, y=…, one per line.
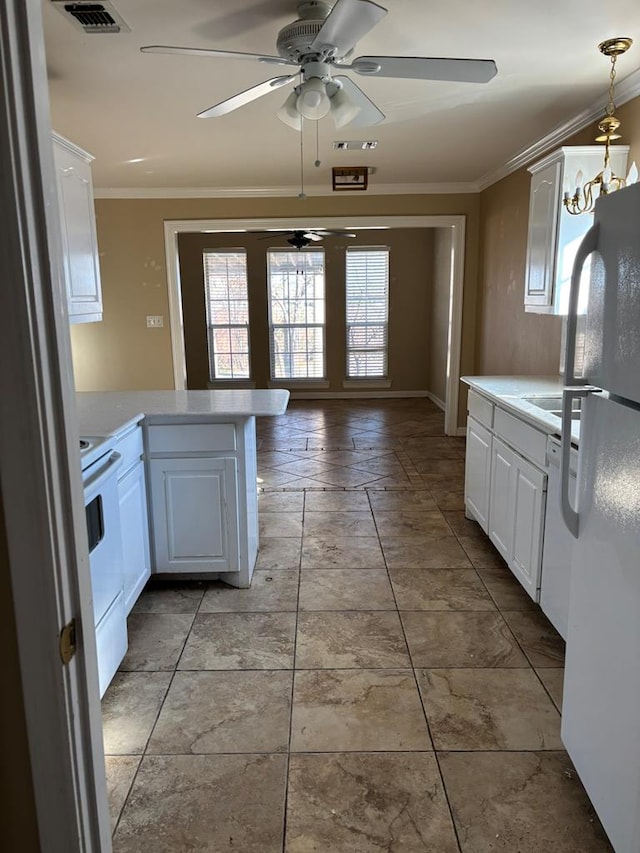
x=240, y=641
x=342, y=552
x=305, y=467
x=529, y=802
x=407, y=500
x=344, y=589
x=277, y=590
x=486, y=709
x=280, y=502
x=463, y=526
x=461, y=639
x=155, y=640
x=171, y=597
x=336, y=501
x=481, y=552
x=130, y=707
x=279, y=553
x=346, y=478
x=357, y=710
x=207, y=712
x=424, y=552
x=351, y=639
x=273, y=458
x=280, y=525
x=541, y=642
x=367, y=802
x=553, y=680
x=120, y=770
x=272, y=478
x=439, y=589
x=345, y=457
x=406, y=524
x=347, y=524
x=506, y=591
x=205, y=803
x=447, y=497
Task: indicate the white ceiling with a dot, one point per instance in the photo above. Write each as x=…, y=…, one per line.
x=123, y=106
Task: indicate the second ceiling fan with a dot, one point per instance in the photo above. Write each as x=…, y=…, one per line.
x=320, y=42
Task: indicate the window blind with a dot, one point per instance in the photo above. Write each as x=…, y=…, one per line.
x=227, y=306
x=367, y=312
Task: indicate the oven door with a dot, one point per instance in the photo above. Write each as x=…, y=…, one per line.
x=106, y=563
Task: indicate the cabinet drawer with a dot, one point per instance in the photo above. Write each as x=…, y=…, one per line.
x=130, y=448
x=480, y=408
x=526, y=439
x=191, y=438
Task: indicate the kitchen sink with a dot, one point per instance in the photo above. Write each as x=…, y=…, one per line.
x=553, y=405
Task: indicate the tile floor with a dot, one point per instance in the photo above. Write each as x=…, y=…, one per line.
x=385, y=685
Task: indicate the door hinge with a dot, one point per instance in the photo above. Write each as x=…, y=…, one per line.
x=68, y=641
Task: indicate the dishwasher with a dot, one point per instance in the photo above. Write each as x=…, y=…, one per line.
x=558, y=543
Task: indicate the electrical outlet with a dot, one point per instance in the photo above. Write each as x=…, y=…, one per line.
x=155, y=321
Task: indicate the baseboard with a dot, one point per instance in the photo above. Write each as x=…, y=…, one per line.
x=355, y=395
x=439, y=403
x=462, y=431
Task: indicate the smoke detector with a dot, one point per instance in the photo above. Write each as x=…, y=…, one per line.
x=92, y=17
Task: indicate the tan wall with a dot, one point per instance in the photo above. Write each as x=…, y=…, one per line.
x=19, y=828
x=439, y=332
x=509, y=340
x=410, y=286
x=121, y=353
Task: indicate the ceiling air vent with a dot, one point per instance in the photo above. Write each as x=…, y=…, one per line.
x=93, y=17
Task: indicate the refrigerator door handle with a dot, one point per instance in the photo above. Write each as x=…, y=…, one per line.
x=588, y=245
x=569, y=514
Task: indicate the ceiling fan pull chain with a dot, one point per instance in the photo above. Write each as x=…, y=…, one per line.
x=317, y=160
x=302, y=193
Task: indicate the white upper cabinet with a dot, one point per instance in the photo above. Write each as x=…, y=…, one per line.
x=78, y=226
x=554, y=234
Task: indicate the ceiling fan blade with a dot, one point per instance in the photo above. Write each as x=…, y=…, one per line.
x=426, y=68
x=368, y=114
x=220, y=54
x=245, y=97
x=324, y=233
x=346, y=24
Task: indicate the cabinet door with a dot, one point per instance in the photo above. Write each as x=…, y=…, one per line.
x=477, y=472
x=529, y=501
x=500, y=500
x=544, y=204
x=134, y=524
x=79, y=241
x=195, y=516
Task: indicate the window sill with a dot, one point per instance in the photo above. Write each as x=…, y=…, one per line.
x=366, y=383
x=298, y=383
x=230, y=383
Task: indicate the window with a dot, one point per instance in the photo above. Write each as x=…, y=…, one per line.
x=296, y=314
x=227, y=304
x=367, y=312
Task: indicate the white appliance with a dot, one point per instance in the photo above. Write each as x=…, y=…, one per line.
x=558, y=543
x=99, y=477
x=601, y=706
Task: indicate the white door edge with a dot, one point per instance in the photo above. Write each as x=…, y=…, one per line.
x=172, y=228
x=39, y=461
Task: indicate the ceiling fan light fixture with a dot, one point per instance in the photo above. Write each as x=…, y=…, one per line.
x=343, y=110
x=288, y=112
x=313, y=102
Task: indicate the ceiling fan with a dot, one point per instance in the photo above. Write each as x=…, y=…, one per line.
x=300, y=239
x=320, y=42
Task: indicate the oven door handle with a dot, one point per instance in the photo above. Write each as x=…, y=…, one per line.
x=103, y=471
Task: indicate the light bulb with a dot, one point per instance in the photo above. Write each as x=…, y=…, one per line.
x=313, y=102
x=606, y=178
x=343, y=109
x=579, y=180
x=632, y=177
x=289, y=114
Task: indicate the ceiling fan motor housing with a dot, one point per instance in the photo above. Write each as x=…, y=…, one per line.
x=296, y=38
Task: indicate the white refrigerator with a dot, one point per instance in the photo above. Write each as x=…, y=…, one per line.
x=601, y=706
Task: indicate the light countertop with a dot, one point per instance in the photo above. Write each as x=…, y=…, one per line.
x=105, y=413
x=508, y=392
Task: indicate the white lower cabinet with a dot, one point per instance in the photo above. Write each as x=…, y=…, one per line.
x=477, y=472
x=134, y=519
x=195, y=518
x=517, y=508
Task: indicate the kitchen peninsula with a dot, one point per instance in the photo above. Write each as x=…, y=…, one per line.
x=199, y=451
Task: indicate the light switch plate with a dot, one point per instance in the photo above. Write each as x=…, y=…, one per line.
x=155, y=321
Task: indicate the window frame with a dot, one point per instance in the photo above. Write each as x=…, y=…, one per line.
x=274, y=326
x=212, y=327
x=384, y=349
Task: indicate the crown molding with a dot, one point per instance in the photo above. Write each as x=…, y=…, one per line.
x=626, y=90
x=281, y=192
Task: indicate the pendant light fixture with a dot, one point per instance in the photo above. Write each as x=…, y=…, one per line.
x=585, y=194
